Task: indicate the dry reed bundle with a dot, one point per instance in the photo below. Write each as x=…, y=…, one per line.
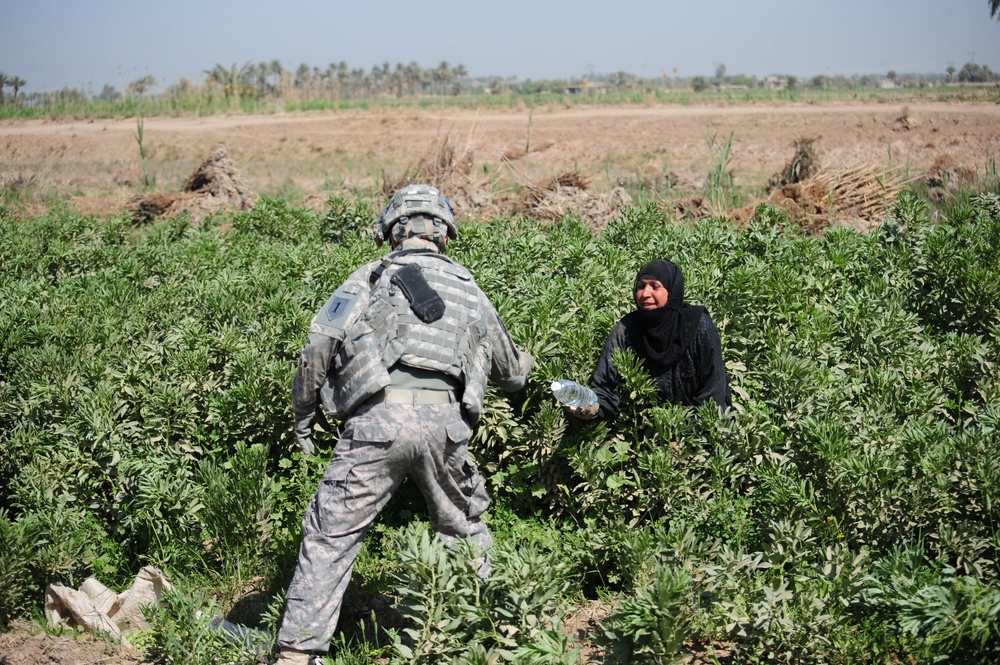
x=448, y=164
x=862, y=192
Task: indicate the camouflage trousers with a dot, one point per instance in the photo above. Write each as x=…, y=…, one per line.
x=380, y=445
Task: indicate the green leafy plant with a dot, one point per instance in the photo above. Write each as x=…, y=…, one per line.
x=946, y=611
x=650, y=626
x=438, y=594
x=454, y=614
x=15, y=586
x=183, y=632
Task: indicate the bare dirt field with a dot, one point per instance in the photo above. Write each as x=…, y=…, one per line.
x=94, y=166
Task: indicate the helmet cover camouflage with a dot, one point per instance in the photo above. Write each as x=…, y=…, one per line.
x=411, y=203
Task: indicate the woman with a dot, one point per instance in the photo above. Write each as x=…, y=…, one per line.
x=678, y=343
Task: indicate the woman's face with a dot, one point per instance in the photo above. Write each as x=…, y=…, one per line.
x=650, y=294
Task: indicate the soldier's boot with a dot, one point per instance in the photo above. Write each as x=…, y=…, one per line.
x=292, y=657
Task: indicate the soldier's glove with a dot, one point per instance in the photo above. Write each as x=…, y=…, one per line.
x=527, y=362
x=306, y=444
x=303, y=433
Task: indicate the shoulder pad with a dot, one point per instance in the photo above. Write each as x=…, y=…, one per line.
x=340, y=310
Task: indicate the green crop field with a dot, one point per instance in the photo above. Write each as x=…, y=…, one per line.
x=847, y=511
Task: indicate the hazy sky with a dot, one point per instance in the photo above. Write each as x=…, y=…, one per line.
x=89, y=43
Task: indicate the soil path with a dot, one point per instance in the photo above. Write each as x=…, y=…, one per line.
x=95, y=165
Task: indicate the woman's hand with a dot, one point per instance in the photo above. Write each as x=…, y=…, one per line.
x=584, y=412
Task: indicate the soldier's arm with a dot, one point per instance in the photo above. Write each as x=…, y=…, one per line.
x=510, y=366
x=326, y=335
x=314, y=363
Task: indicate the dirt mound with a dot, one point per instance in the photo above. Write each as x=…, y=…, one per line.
x=515, y=153
x=652, y=179
x=803, y=165
x=551, y=199
x=906, y=121
x=218, y=176
x=216, y=185
x=449, y=167
x=947, y=176
x=695, y=206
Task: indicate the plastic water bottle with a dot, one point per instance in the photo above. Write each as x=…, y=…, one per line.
x=572, y=394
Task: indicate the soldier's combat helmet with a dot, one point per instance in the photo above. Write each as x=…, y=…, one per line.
x=416, y=211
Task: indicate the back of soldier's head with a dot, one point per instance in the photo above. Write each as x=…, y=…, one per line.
x=418, y=216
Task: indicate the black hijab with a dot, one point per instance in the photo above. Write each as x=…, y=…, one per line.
x=660, y=336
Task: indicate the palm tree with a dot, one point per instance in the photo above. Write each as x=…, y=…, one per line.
x=342, y=76
x=232, y=80
x=994, y=9
x=358, y=82
x=413, y=76
x=276, y=70
x=4, y=79
x=17, y=83
x=375, y=80
x=399, y=78
x=442, y=75
x=302, y=73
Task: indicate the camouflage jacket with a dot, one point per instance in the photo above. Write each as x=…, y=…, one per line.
x=366, y=326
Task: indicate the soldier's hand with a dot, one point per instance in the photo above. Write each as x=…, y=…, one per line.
x=303, y=433
x=306, y=444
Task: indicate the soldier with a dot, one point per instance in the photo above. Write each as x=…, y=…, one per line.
x=401, y=352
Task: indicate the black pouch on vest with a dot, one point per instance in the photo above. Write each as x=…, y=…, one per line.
x=424, y=300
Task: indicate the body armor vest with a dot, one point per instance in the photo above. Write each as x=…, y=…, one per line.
x=389, y=332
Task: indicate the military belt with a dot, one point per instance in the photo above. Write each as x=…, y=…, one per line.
x=414, y=396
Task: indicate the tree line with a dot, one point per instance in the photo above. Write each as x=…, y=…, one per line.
x=337, y=80
x=267, y=81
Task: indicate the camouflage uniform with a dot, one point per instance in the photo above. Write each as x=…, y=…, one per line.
x=390, y=432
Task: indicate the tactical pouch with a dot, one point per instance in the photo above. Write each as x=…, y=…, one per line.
x=424, y=300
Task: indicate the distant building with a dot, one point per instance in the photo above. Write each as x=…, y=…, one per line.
x=589, y=87
x=774, y=83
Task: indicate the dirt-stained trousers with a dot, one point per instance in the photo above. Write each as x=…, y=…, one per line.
x=380, y=445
